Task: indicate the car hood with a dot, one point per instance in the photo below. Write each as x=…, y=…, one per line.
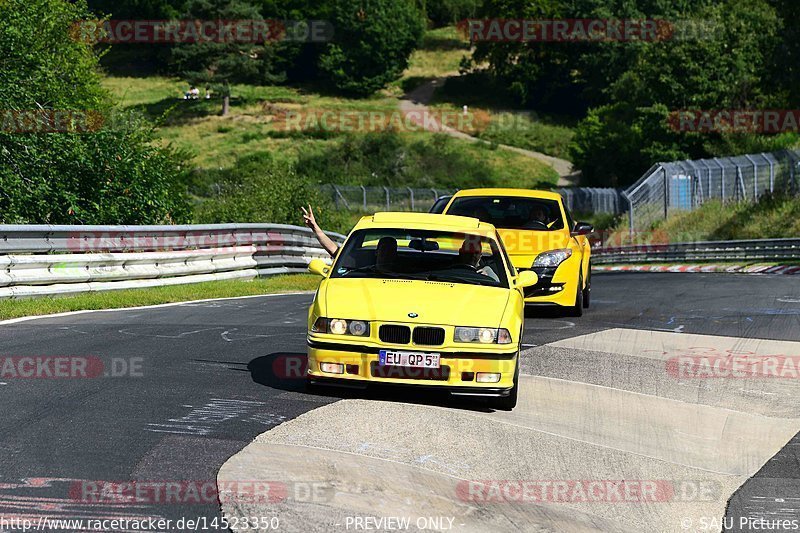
x=524, y=245
x=391, y=300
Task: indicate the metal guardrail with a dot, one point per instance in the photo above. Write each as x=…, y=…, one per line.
x=744, y=250
x=42, y=259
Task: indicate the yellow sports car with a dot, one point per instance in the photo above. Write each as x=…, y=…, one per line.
x=418, y=299
x=541, y=236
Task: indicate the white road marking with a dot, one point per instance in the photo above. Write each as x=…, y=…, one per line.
x=156, y=306
x=160, y=336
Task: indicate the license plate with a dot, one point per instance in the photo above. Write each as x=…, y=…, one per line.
x=408, y=359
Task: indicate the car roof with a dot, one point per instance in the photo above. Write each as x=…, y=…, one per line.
x=399, y=219
x=528, y=193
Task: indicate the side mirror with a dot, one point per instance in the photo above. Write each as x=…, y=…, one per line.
x=527, y=278
x=318, y=267
x=582, y=228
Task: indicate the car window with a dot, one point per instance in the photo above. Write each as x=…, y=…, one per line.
x=428, y=255
x=511, y=212
x=439, y=205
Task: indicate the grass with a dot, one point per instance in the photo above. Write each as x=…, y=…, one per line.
x=773, y=217
x=256, y=123
x=525, y=131
x=11, y=308
x=440, y=54
x=493, y=118
x=422, y=160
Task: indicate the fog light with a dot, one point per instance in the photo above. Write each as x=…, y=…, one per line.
x=487, y=377
x=335, y=368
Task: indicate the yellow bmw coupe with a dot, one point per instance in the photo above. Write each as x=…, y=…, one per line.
x=418, y=299
x=540, y=235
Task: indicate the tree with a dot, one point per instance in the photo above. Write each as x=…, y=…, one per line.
x=372, y=42
x=110, y=172
x=444, y=12
x=217, y=65
x=42, y=65
x=722, y=55
x=259, y=188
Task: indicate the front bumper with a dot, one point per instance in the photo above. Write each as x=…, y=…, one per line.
x=556, y=285
x=457, y=372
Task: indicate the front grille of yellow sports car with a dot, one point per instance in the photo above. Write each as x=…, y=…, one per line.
x=422, y=335
x=394, y=334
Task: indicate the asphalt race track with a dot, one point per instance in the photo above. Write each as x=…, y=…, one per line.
x=189, y=386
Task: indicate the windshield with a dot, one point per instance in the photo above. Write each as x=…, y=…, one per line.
x=422, y=255
x=510, y=212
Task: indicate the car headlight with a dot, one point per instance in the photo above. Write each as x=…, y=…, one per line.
x=483, y=335
x=552, y=258
x=341, y=326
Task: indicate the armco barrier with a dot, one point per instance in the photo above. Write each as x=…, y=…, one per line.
x=752, y=250
x=43, y=260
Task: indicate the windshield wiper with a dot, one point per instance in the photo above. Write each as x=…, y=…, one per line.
x=366, y=268
x=458, y=279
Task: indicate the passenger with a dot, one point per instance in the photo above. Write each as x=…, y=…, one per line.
x=326, y=242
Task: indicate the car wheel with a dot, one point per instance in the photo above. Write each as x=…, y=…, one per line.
x=587, y=292
x=577, y=309
x=507, y=403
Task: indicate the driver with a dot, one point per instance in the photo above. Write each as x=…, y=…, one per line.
x=538, y=214
x=470, y=255
x=385, y=254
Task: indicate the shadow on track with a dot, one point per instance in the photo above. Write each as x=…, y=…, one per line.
x=287, y=371
x=546, y=311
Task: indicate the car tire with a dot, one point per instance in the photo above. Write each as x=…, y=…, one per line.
x=587, y=292
x=508, y=403
x=577, y=309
